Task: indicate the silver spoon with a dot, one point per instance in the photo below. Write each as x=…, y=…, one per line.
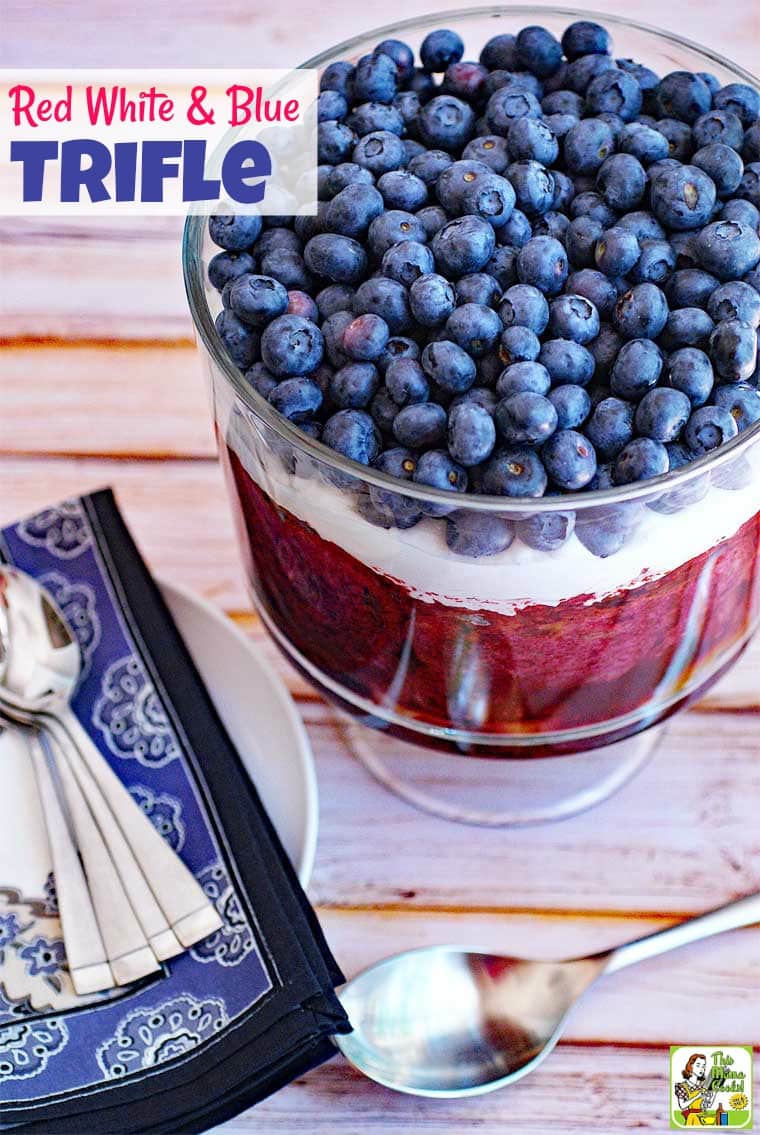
x=445, y=1022
x=41, y=674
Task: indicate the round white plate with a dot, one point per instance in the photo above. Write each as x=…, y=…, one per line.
x=260, y=717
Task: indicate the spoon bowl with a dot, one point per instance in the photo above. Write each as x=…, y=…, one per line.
x=442, y=1021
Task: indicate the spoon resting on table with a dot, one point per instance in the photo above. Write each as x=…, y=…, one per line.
x=443, y=1021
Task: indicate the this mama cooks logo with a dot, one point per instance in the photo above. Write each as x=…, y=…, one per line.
x=711, y=1087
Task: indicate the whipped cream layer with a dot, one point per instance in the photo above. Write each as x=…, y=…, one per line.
x=419, y=558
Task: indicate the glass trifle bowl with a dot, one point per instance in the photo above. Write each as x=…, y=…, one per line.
x=524, y=684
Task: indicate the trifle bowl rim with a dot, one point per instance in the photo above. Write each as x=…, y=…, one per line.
x=194, y=270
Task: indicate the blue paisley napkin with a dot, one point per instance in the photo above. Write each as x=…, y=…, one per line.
x=240, y=1014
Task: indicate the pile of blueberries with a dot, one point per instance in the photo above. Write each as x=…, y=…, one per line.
x=530, y=275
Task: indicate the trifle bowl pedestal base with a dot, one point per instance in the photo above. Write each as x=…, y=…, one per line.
x=500, y=792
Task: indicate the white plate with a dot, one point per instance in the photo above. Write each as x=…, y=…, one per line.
x=260, y=717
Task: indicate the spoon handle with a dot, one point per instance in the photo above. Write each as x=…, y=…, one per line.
x=741, y=912
x=161, y=937
x=85, y=952
x=189, y=912
x=129, y=954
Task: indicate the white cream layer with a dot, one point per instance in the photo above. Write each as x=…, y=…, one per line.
x=419, y=558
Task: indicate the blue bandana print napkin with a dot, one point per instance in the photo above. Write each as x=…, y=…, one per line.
x=241, y=1013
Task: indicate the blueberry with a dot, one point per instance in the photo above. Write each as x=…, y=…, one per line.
x=258, y=299
x=569, y=459
x=333, y=329
x=465, y=80
x=408, y=105
x=490, y=197
x=523, y=305
x=728, y=249
x=508, y=104
x=567, y=361
x=562, y=102
x=683, y=95
x=641, y=312
x=644, y=142
x=581, y=239
x=610, y=427
x=482, y=396
x=584, y=37
x=379, y=152
x=678, y=134
x=636, y=369
x=526, y=419
x=518, y=345
x=478, y=287
x=742, y=402
x=441, y=48
x=406, y=382
x=582, y=70
x=451, y=368
x=616, y=252
x=402, y=190
x=346, y=173
x=622, y=182
x=573, y=317
x=647, y=79
x=335, y=142
x=500, y=52
x=690, y=371
x=406, y=261
x=299, y=303
x=515, y=472
x=595, y=287
x=527, y=376
x=572, y=405
x=539, y=51
x=463, y=245
x=590, y=204
x=686, y=327
x=552, y=224
x=352, y=209
x=614, y=92
x=546, y=531
x=490, y=149
x=401, y=54
x=503, y=266
x=338, y=258
x=226, y=267
x=735, y=300
x=384, y=411
x=474, y=327
x=543, y=264
x=436, y=469
x=354, y=435
x=662, y=413
x=336, y=76
x=741, y=99
x=733, y=350
x=709, y=427
x=723, y=165
x=751, y=145
x=429, y=166
x=531, y=138
x=331, y=105
x=393, y=227
x=564, y=192
x=454, y=180
x=446, y=123
x=432, y=218
x=639, y=460
x=296, y=398
x=261, y=380
x=718, y=126
x=471, y=434
x=604, y=350
x=432, y=299
x=234, y=233
x=291, y=345
x=240, y=340
x=386, y=298
x=365, y=338
x=354, y=385
x=533, y=186
x=288, y=267
x=477, y=534
x=683, y=198
x=374, y=79
x=690, y=287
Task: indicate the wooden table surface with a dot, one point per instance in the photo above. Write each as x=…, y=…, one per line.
x=99, y=384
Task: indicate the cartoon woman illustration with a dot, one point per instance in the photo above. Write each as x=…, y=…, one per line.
x=693, y=1094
